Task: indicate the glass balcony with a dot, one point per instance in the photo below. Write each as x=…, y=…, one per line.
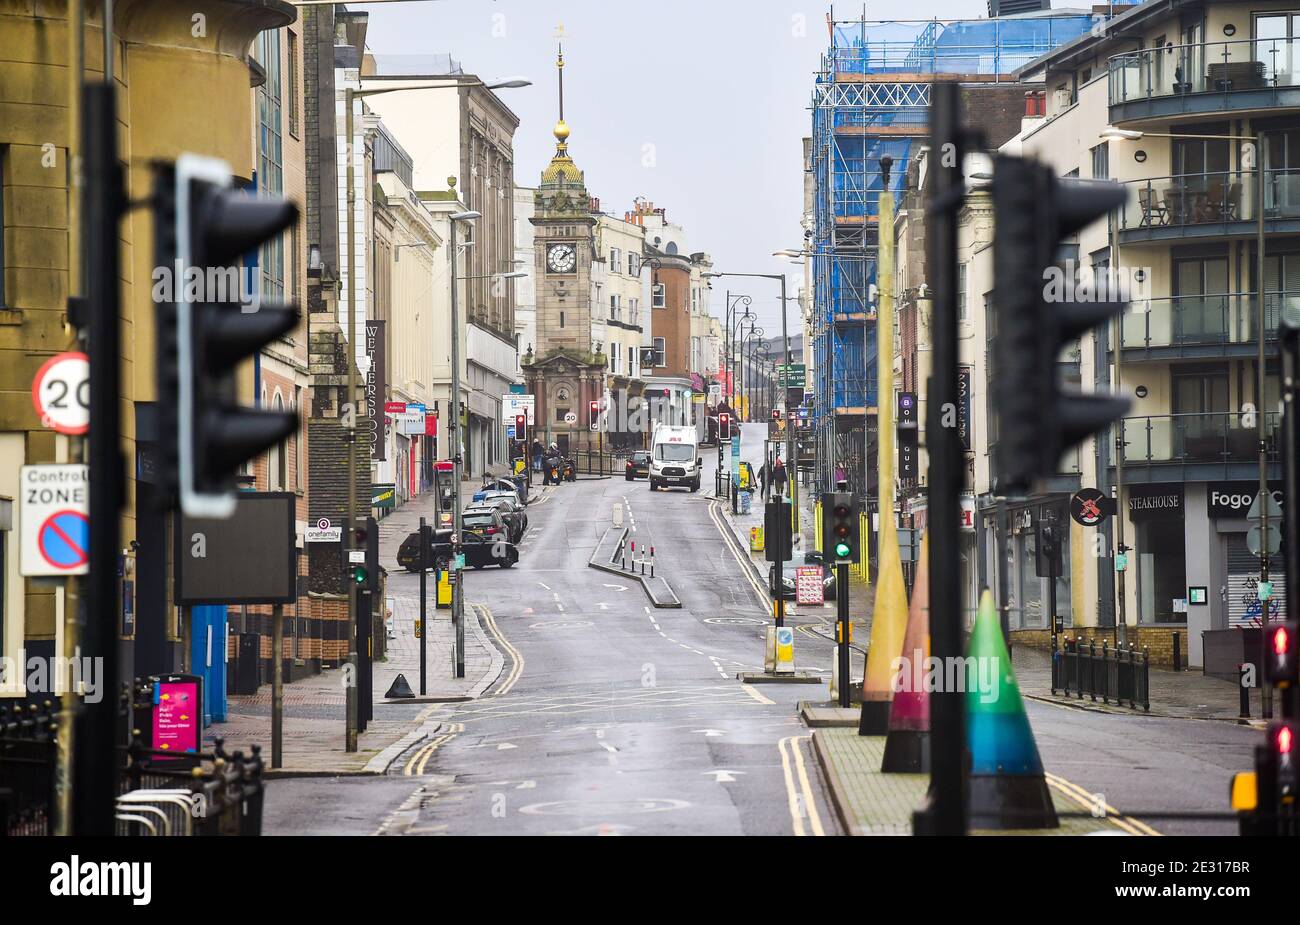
x=1209, y=67
x=1209, y=199
x=1203, y=320
x=1216, y=437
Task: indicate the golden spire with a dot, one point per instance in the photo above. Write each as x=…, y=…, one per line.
x=561, y=127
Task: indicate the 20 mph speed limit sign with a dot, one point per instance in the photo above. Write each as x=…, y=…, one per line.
x=61, y=393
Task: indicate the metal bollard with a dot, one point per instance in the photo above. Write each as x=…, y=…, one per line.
x=1244, y=671
x=633, y=556
x=1178, y=652
x=652, y=562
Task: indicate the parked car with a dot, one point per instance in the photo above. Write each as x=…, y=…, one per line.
x=481, y=551
x=504, y=483
x=638, y=465
x=508, y=513
x=485, y=521
x=408, y=554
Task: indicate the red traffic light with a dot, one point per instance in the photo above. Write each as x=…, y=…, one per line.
x=1285, y=740
x=521, y=423
x=1282, y=655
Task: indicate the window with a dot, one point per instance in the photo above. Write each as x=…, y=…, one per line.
x=291, y=83
x=615, y=310
x=615, y=260
x=660, y=296
x=559, y=415
x=298, y=440
x=291, y=264
x=278, y=457
x=661, y=347
x=633, y=264
x=1101, y=162
x=631, y=311
x=613, y=360
x=963, y=313
x=695, y=301
x=561, y=319
x=631, y=361
x=4, y=156
x=270, y=172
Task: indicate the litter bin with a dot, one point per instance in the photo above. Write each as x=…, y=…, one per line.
x=746, y=501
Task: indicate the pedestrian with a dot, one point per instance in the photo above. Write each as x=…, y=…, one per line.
x=537, y=455
x=778, y=478
x=762, y=479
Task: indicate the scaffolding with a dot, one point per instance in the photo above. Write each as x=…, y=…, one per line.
x=871, y=98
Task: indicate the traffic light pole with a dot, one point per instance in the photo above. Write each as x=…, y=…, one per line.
x=350, y=518
x=95, y=764
x=1261, y=416
x=424, y=599
x=842, y=623
x=453, y=431
x=945, y=812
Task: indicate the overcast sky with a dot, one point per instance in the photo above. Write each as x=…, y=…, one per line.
x=697, y=105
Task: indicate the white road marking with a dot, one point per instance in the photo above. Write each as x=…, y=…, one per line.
x=722, y=776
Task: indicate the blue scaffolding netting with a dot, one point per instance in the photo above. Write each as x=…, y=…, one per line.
x=859, y=116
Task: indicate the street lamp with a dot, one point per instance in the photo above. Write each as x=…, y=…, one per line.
x=730, y=340
x=454, y=438
x=1114, y=133
x=350, y=95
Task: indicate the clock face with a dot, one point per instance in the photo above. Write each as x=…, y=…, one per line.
x=561, y=258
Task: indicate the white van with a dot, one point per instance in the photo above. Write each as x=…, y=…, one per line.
x=674, y=458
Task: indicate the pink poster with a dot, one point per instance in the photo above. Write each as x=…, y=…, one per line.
x=176, y=719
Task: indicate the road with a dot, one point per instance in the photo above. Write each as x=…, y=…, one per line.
x=611, y=716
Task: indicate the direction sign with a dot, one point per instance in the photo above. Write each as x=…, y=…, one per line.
x=1274, y=539
x=61, y=393
x=794, y=375
x=55, y=517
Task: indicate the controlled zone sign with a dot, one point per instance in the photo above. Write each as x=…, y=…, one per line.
x=55, y=516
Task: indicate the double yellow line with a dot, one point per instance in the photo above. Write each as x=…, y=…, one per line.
x=764, y=599
x=1092, y=803
x=418, y=762
x=791, y=755
x=516, y=657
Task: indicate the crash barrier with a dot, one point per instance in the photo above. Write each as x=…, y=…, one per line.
x=1120, y=674
x=633, y=559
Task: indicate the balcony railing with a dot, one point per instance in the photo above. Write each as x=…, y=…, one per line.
x=1203, y=320
x=1208, y=67
x=1215, y=437
x=1210, y=198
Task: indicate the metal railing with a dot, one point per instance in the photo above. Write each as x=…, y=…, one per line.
x=1214, y=437
x=1121, y=674
x=27, y=769
x=1206, y=67
x=1203, y=320
x=1208, y=198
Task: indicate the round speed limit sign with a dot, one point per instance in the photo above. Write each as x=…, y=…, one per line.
x=61, y=393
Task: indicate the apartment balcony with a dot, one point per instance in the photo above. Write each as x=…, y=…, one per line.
x=1209, y=205
x=1207, y=78
x=1202, y=326
x=1195, y=447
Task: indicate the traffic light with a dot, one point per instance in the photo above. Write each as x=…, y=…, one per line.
x=521, y=426
x=724, y=426
x=1281, y=651
x=593, y=413
x=215, y=331
x=365, y=539
x=1283, y=745
x=778, y=531
x=1037, y=315
x=840, y=538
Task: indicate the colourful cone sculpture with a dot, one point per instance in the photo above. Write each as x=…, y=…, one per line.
x=907, y=748
x=889, y=617
x=1007, y=787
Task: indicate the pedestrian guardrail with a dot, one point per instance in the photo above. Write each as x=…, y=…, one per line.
x=1121, y=674
x=27, y=768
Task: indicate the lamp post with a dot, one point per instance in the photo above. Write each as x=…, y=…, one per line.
x=350, y=96
x=747, y=368
x=1261, y=429
x=792, y=483
x=733, y=354
x=732, y=303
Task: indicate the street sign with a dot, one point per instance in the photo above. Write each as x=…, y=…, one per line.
x=1274, y=539
x=61, y=393
x=356, y=557
x=808, y=587
x=793, y=375
x=55, y=519
x=1089, y=507
x=513, y=405
x=570, y=417
x=394, y=407
x=1274, y=509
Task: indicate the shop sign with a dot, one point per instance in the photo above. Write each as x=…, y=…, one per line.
x=1150, y=502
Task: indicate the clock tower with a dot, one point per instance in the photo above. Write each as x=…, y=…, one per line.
x=565, y=369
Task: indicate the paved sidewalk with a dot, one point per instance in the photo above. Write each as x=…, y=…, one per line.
x=315, y=708
x=1176, y=694
x=871, y=803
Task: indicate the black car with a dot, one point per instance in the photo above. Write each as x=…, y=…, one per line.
x=408, y=554
x=638, y=464
x=486, y=522
x=514, y=520
x=479, y=551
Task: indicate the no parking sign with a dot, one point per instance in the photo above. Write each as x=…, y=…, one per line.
x=55, y=521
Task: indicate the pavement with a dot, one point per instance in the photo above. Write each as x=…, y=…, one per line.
x=315, y=708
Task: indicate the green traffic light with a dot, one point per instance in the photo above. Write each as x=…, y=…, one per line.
x=842, y=550
x=359, y=575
